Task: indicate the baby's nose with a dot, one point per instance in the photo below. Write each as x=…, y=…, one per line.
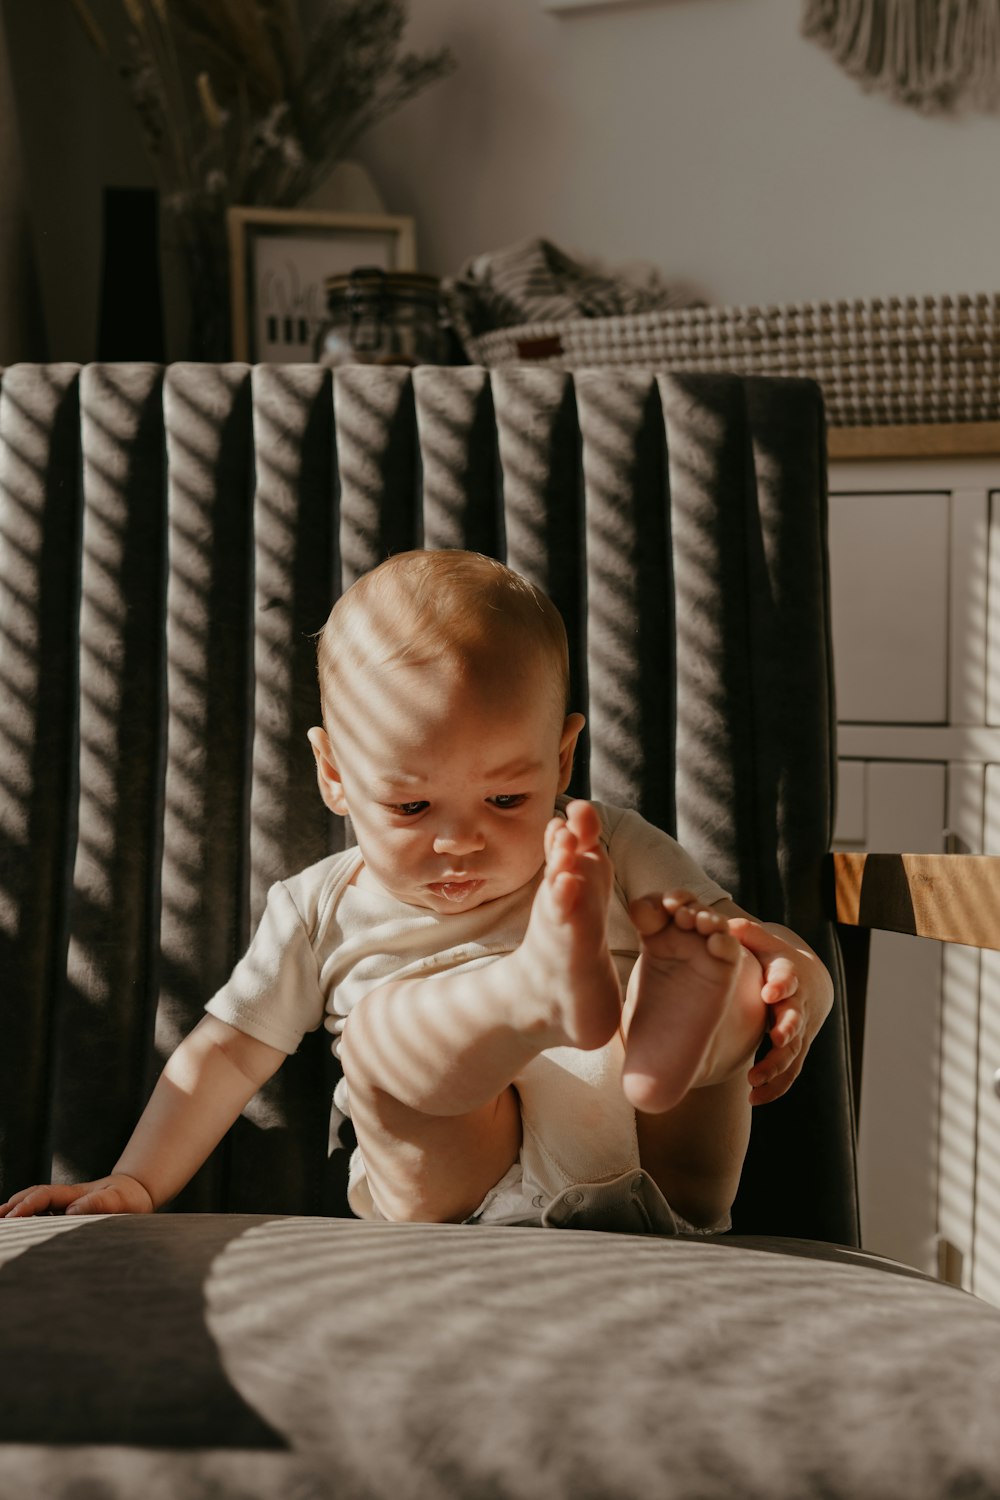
x=459, y=839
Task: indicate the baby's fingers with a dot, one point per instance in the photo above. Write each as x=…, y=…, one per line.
x=108, y=1200
x=115, y=1195
x=781, y=981
x=787, y=1023
x=775, y=1073
x=41, y=1199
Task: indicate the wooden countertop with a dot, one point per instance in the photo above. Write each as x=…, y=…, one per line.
x=941, y=440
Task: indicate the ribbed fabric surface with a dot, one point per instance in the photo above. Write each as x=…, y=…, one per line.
x=320, y=1359
x=170, y=540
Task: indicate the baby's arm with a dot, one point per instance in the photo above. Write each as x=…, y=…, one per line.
x=798, y=991
x=206, y=1083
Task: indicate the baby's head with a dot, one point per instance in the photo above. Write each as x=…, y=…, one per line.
x=455, y=611
x=444, y=680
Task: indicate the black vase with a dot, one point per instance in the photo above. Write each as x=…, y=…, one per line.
x=130, y=318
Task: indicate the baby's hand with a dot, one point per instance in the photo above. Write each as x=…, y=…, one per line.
x=799, y=992
x=116, y=1194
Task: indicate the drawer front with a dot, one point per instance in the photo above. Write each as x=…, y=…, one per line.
x=889, y=559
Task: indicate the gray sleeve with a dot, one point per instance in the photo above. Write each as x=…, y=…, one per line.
x=274, y=993
x=649, y=861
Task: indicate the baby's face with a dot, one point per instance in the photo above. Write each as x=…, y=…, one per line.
x=450, y=783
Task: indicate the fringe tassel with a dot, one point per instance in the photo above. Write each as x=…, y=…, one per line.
x=925, y=53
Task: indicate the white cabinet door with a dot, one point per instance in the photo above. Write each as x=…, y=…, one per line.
x=902, y=807
x=993, y=615
x=986, y=1236
x=959, y=1061
x=889, y=598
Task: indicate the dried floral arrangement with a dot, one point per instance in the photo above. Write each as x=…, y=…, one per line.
x=238, y=100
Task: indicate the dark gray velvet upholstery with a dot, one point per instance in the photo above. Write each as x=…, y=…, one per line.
x=242, y=1357
x=170, y=540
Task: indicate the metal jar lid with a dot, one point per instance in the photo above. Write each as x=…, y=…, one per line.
x=372, y=281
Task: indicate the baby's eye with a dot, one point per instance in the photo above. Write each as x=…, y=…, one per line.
x=508, y=799
x=408, y=809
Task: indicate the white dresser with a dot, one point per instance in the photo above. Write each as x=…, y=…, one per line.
x=915, y=569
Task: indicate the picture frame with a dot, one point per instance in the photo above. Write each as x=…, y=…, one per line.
x=279, y=259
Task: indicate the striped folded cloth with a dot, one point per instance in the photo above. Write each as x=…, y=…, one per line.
x=534, y=281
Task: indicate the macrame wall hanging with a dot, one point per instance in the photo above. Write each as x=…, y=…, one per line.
x=932, y=54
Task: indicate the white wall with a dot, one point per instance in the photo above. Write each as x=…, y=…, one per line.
x=705, y=136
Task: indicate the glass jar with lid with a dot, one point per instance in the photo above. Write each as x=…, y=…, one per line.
x=378, y=317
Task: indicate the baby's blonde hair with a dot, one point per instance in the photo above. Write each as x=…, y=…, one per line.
x=422, y=607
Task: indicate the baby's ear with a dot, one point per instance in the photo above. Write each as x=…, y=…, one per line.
x=331, y=788
x=567, y=747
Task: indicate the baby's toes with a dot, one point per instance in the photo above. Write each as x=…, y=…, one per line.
x=688, y=914
x=674, y=901
x=582, y=819
x=565, y=890
x=648, y=915
x=721, y=944
x=553, y=828
x=706, y=922
x=561, y=852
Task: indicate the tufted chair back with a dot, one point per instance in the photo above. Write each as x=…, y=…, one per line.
x=169, y=542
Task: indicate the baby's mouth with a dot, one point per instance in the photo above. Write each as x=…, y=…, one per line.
x=455, y=890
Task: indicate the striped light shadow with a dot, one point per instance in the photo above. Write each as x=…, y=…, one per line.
x=789, y=601
x=104, y=1025
x=973, y=606
x=379, y=466
x=39, y=563
x=204, y=914
x=23, y=1235
x=460, y=482
x=538, y=440
x=569, y=1381
x=630, y=648
x=958, y=1043
x=985, y=1270
x=986, y=1244
x=276, y=1154
x=295, y=583
x=957, y=1101
x=716, y=729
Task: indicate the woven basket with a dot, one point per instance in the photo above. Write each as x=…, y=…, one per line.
x=900, y=360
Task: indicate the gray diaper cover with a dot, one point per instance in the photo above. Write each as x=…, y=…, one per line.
x=629, y=1204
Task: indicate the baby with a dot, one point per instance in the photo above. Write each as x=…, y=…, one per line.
x=538, y=1003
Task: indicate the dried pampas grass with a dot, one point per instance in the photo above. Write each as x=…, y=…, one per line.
x=238, y=103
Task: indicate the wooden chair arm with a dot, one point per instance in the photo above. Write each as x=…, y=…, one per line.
x=954, y=898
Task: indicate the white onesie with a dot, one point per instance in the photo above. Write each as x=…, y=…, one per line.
x=323, y=942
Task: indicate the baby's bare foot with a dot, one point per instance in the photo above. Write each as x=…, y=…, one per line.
x=571, y=987
x=677, y=996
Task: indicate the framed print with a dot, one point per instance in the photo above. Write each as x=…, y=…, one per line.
x=279, y=260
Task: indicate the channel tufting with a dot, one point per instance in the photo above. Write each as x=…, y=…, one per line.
x=169, y=542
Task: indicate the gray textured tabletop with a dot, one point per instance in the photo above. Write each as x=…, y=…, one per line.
x=311, y=1358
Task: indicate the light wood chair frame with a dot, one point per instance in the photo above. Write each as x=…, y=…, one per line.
x=952, y=898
